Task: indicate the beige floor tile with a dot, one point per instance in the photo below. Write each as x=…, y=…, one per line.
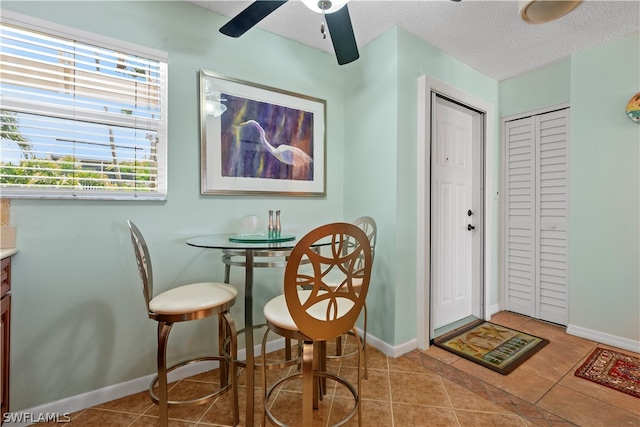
x=552, y=362
x=440, y=354
x=520, y=383
x=146, y=421
x=510, y=320
x=220, y=411
x=430, y=388
x=186, y=390
x=373, y=413
x=557, y=334
x=483, y=419
x=99, y=418
x=465, y=399
x=423, y=416
x=403, y=364
x=212, y=376
x=376, y=359
x=584, y=410
x=62, y=418
x=418, y=389
x=257, y=406
x=287, y=408
x=137, y=403
x=375, y=388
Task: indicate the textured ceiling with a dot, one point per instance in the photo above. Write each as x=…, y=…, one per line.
x=486, y=35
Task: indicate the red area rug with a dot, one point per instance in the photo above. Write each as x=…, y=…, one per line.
x=612, y=369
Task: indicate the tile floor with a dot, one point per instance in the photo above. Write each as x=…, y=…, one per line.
x=430, y=388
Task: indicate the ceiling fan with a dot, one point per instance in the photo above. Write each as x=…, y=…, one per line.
x=336, y=15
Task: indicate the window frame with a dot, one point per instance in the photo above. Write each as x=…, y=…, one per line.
x=66, y=112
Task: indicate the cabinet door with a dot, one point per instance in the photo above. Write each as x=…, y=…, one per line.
x=536, y=197
x=5, y=328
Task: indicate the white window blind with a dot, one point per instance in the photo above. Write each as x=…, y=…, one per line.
x=82, y=116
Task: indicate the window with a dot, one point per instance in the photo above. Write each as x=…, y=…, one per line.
x=82, y=116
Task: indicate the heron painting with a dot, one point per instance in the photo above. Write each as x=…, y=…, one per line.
x=266, y=141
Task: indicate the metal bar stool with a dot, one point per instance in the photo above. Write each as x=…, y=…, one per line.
x=313, y=312
x=184, y=303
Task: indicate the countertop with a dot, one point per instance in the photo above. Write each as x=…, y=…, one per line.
x=7, y=252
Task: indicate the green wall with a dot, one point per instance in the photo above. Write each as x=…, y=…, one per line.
x=604, y=180
x=371, y=102
x=78, y=319
x=604, y=204
x=538, y=89
x=416, y=59
x=381, y=104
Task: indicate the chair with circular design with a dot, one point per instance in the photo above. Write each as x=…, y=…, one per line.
x=312, y=312
x=181, y=304
x=368, y=225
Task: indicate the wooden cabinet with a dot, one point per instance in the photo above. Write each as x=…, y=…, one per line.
x=5, y=335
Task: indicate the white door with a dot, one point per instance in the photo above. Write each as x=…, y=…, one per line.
x=456, y=223
x=536, y=234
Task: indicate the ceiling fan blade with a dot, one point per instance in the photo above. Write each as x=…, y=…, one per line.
x=342, y=37
x=250, y=16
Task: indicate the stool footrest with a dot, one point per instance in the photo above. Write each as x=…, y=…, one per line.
x=275, y=365
x=316, y=375
x=197, y=401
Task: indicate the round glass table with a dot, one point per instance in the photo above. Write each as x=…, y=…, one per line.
x=250, y=252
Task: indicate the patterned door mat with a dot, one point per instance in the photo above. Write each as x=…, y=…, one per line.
x=496, y=347
x=612, y=369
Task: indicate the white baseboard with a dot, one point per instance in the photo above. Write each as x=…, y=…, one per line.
x=597, y=336
x=493, y=309
x=389, y=350
x=116, y=391
x=604, y=338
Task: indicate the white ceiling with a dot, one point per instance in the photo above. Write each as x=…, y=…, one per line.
x=486, y=35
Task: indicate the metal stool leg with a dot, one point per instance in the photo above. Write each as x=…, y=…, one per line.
x=233, y=369
x=163, y=392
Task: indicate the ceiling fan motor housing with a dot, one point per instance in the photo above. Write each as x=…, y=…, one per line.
x=324, y=4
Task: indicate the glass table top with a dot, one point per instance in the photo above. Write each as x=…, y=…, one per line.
x=235, y=241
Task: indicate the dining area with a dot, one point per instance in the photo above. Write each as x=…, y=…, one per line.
x=318, y=317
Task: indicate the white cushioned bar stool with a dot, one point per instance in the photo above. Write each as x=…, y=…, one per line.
x=368, y=225
x=184, y=303
x=313, y=312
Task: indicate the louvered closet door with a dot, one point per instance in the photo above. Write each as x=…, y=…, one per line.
x=552, y=215
x=536, y=218
x=521, y=210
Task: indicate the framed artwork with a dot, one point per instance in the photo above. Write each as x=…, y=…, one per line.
x=260, y=140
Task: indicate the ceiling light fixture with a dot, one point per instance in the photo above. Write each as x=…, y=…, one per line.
x=541, y=11
x=325, y=6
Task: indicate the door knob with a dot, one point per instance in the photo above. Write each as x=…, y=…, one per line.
x=469, y=212
x=470, y=227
